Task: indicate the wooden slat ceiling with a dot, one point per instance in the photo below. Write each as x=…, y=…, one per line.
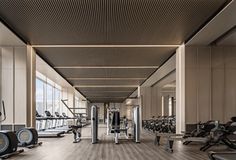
x=106, y=22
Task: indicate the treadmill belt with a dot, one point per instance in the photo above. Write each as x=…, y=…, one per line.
x=45, y=134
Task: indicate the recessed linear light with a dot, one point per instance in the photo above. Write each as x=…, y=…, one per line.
x=108, y=67
x=106, y=92
x=107, y=46
x=106, y=86
x=105, y=97
x=106, y=78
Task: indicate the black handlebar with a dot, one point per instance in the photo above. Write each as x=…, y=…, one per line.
x=4, y=112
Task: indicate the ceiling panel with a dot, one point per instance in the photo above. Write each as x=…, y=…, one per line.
x=102, y=100
x=72, y=63
x=106, y=94
x=107, y=21
x=107, y=73
x=105, y=56
x=106, y=82
x=111, y=92
x=106, y=89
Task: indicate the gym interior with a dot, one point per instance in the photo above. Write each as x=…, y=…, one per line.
x=118, y=79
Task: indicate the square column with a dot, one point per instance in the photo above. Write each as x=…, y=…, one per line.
x=180, y=89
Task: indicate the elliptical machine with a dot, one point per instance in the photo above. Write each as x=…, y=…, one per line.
x=8, y=140
x=28, y=137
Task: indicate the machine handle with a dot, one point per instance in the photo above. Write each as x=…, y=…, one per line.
x=4, y=112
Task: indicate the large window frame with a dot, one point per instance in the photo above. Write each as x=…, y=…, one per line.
x=38, y=108
x=56, y=95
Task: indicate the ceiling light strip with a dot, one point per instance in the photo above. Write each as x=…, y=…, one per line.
x=106, y=78
x=108, y=67
x=106, y=86
x=97, y=92
x=105, y=97
x=107, y=46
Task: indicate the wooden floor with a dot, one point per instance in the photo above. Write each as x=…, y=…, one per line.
x=64, y=149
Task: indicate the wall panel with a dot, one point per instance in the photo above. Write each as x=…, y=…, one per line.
x=20, y=85
x=210, y=83
x=204, y=84
x=191, y=85
x=7, y=82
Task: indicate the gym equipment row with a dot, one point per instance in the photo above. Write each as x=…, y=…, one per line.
x=210, y=133
x=55, y=120
x=57, y=125
x=213, y=133
x=163, y=127
x=114, y=125
x=10, y=141
x=45, y=126
x=161, y=124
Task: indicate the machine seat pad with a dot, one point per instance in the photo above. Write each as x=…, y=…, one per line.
x=76, y=126
x=224, y=156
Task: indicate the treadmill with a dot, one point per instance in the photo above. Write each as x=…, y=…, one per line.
x=44, y=133
x=66, y=129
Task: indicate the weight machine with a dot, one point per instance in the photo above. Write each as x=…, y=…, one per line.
x=115, y=124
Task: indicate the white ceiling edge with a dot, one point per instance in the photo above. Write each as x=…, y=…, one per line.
x=8, y=38
x=220, y=24
x=49, y=72
x=134, y=94
x=228, y=40
x=164, y=70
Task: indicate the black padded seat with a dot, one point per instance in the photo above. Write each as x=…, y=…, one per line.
x=116, y=122
x=222, y=156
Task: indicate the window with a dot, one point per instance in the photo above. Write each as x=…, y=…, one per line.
x=82, y=105
x=49, y=98
x=171, y=106
x=57, y=100
x=76, y=102
x=48, y=95
x=40, y=98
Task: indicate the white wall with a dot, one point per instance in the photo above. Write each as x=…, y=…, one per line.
x=20, y=85
x=13, y=84
x=7, y=82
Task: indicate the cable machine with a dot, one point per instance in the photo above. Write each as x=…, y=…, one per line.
x=113, y=125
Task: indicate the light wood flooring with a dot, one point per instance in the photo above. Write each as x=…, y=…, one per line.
x=64, y=149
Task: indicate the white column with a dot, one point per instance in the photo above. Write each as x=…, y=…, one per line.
x=31, y=86
x=140, y=107
x=108, y=119
x=180, y=89
x=20, y=85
